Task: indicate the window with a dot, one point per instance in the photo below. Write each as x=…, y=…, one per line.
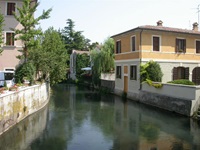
x=118, y=47
x=197, y=46
x=10, y=8
x=133, y=72
x=181, y=45
x=133, y=43
x=10, y=39
x=118, y=73
x=180, y=73
x=156, y=43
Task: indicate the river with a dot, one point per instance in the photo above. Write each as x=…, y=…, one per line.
x=77, y=118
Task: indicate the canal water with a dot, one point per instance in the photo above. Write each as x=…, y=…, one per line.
x=77, y=118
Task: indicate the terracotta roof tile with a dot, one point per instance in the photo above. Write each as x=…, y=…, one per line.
x=169, y=29
x=162, y=28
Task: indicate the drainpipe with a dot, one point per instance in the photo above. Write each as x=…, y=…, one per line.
x=140, y=54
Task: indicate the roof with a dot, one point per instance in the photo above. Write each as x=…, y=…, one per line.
x=80, y=52
x=162, y=28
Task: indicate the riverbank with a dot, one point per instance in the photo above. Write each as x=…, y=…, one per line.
x=17, y=105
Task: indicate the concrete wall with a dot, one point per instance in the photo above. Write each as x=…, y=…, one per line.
x=108, y=81
x=173, y=90
x=181, y=99
x=15, y=106
x=108, y=84
x=108, y=76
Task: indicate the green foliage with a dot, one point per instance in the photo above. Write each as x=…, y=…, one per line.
x=26, y=70
x=5, y=84
x=143, y=72
x=27, y=20
x=149, y=131
x=73, y=39
x=152, y=71
x=50, y=57
x=96, y=67
x=182, y=81
x=107, y=55
x=103, y=60
x=82, y=60
x=156, y=85
x=1, y=32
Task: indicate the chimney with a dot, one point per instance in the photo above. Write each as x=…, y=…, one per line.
x=195, y=26
x=159, y=23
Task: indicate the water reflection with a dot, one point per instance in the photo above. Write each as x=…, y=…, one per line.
x=82, y=119
x=24, y=133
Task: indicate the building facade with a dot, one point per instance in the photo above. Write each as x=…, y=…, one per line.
x=176, y=50
x=8, y=60
x=73, y=58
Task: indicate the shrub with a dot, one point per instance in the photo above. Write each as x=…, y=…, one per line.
x=182, y=81
x=26, y=70
x=152, y=71
x=156, y=85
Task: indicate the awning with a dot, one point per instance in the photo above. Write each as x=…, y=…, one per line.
x=86, y=68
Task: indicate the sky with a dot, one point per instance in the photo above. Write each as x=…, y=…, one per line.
x=100, y=19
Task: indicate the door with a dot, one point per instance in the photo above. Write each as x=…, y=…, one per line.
x=126, y=84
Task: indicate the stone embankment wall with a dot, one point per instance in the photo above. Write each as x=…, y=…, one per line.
x=25, y=132
x=15, y=106
x=108, y=81
x=181, y=99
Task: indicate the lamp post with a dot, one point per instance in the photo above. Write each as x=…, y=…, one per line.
x=198, y=12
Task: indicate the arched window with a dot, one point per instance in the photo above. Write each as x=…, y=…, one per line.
x=180, y=73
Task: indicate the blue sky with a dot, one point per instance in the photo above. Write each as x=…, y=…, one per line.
x=99, y=19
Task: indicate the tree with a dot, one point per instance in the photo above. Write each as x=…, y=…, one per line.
x=96, y=66
x=27, y=20
x=82, y=60
x=107, y=55
x=103, y=60
x=1, y=31
x=154, y=71
x=50, y=56
x=73, y=39
x=151, y=71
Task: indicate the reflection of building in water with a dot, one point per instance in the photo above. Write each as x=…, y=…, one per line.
x=25, y=132
x=138, y=127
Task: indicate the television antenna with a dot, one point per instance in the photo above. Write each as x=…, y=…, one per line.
x=198, y=12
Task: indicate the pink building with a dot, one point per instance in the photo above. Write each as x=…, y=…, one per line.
x=8, y=60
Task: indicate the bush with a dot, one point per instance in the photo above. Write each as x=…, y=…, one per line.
x=154, y=71
x=26, y=70
x=151, y=71
x=156, y=85
x=182, y=81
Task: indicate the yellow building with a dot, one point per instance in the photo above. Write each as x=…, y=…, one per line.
x=176, y=50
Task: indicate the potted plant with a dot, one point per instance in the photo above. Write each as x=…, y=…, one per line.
x=13, y=88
